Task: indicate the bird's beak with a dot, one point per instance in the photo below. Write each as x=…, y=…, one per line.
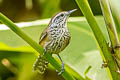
x=71, y=11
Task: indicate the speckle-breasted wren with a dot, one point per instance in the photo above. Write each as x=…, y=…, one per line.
x=54, y=39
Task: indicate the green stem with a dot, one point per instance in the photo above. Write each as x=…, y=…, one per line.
x=36, y=46
x=86, y=10
x=74, y=73
x=111, y=28
x=114, y=4
x=109, y=22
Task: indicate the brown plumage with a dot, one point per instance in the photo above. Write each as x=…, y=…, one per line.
x=54, y=39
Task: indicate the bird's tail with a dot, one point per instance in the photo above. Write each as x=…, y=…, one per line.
x=40, y=65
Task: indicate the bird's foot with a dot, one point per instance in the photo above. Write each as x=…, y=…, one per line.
x=62, y=70
x=59, y=73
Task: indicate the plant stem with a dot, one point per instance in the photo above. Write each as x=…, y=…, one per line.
x=114, y=4
x=109, y=22
x=86, y=10
x=36, y=46
x=111, y=28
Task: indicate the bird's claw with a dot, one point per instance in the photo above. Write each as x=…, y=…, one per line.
x=59, y=73
x=56, y=70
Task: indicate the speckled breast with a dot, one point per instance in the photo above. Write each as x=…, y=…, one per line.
x=58, y=40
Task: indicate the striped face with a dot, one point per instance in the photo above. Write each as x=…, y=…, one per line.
x=59, y=19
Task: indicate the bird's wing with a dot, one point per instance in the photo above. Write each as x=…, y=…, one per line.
x=43, y=37
x=67, y=41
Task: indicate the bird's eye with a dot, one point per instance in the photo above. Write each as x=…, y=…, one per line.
x=62, y=15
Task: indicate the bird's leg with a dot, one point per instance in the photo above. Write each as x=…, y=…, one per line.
x=45, y=50
x=62, y=70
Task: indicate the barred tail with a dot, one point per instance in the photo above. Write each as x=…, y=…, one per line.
x=40, y=65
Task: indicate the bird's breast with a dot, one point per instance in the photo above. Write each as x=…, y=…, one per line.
x=59, y=33
x=58, y=40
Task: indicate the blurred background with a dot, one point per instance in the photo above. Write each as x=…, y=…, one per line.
x=27, y=10
x=17, y=57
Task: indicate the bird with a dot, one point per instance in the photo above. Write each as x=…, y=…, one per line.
x=54, y=39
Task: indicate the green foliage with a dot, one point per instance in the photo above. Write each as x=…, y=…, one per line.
x=82, y=58
x=27, y=10
x=50, y=7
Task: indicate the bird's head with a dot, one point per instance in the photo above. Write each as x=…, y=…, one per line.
x=61, y=17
